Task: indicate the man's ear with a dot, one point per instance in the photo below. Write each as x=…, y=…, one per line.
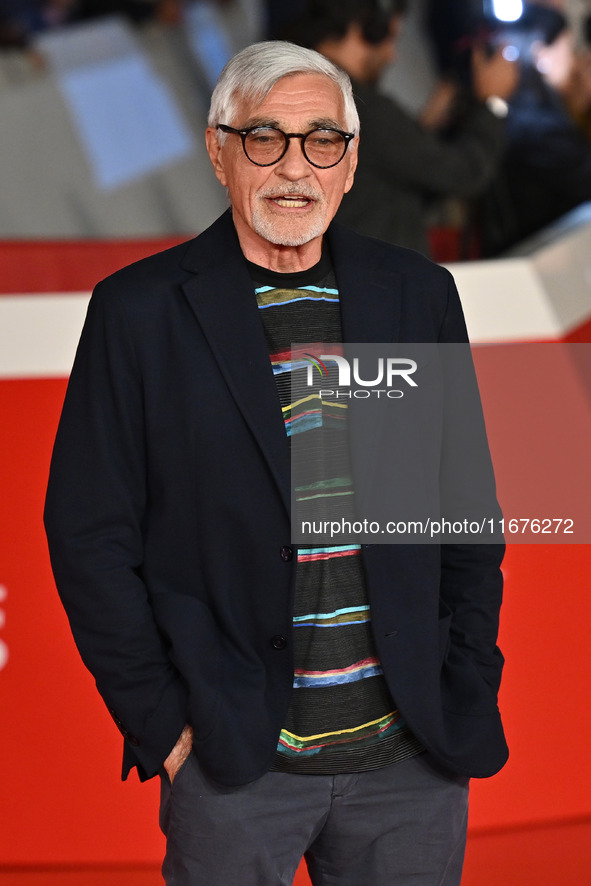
x=214, y=149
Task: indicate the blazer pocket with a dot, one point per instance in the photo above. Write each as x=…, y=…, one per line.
x=463, y=688
x=194, y=650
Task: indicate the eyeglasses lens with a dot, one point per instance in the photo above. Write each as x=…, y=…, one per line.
x=323, y=147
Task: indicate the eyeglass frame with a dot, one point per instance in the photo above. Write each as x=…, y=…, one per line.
x=243, y=133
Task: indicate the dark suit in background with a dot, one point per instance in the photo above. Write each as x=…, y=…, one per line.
x=403, y=167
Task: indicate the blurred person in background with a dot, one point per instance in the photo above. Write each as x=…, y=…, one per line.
x=136, y=10
x=279, y=16
x=20, y=20
x=546, y=169
x=12, y=35
x=405, y=163
x=578, y=97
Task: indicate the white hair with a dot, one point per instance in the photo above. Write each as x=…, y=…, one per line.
x=251, y=74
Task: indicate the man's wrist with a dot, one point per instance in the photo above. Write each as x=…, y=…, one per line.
x=179, y=753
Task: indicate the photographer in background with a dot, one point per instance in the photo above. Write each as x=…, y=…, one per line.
x=546, y=169
x=404, y=163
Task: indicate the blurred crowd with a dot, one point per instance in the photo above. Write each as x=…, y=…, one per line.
x=20, y=20
x=451, y=149
x=545, y=169
x=501, y=148
x=502, y=145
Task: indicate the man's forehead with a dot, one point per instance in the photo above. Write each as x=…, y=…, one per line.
x=309, y=99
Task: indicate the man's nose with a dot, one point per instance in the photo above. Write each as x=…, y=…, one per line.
x=293, y=164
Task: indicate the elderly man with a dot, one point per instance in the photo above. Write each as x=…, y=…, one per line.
x=332, y=701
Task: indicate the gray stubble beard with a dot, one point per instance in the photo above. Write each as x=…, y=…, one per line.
x=264, y=228
x=264, y=225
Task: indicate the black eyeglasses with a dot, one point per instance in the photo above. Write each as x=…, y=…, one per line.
x=266, y=145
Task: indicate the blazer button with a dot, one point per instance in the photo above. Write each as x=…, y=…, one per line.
x=278, y=642
x=286, y=553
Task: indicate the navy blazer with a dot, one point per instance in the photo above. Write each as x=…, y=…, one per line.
x=168, y=517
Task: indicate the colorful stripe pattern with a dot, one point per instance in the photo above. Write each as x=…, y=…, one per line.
x=295, y=744
x=306, y=555
x=342, y=717
x=359, y=670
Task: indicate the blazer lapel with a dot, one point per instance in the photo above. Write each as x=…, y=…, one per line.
x=370, y=293
x=369, y=290
x=221, y=295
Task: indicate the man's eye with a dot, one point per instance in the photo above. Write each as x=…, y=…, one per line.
x=263, y=136
x=324, y=139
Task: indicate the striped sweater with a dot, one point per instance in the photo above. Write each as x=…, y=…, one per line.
x=342, y=717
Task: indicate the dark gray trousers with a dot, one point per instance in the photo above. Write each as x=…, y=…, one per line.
x=404, y=825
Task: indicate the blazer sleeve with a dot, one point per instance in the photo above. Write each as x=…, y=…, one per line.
x=96, y=502
x=471, y=577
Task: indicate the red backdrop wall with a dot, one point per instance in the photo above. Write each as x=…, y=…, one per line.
x=60, y=792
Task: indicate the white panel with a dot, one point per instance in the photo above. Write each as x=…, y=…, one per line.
x=39, y=334
x=565, y=269
x=542, y=292
x=504, y=300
